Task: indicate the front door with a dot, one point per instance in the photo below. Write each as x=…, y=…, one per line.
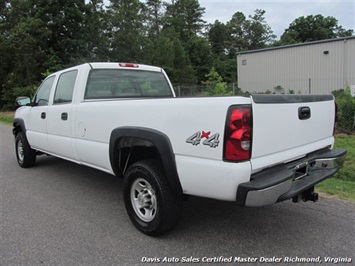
x=37, y=123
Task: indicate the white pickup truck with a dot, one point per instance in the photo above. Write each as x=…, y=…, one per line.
x=124, y=119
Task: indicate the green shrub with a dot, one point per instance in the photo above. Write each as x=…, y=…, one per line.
x=347, y=171
x=9, y=97
x=346, y=110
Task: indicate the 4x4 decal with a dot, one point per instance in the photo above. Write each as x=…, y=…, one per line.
x=211, y=141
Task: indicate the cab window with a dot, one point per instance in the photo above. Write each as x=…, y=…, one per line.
x=65, y=87
x=118, y=83
x=42, y=96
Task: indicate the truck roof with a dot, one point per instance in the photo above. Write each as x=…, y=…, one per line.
x=117, y=65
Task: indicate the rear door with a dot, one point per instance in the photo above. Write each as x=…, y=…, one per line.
x=287, y=127
x=60, y=120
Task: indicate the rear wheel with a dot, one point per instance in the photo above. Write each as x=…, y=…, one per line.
x=26, y=156
x=152, y=207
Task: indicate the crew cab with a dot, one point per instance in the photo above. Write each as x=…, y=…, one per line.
x=124, y=119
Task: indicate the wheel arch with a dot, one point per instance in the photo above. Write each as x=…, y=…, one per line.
x=18, y=125
x=149, y=138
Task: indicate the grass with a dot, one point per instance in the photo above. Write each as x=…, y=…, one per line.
x=7, y=118
x=342, y=184
x=348, y=171
x=337, y=187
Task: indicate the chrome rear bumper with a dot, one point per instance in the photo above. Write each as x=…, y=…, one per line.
x=289, y=180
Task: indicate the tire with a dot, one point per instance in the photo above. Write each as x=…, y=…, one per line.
x=151, y=205
x=26, y=156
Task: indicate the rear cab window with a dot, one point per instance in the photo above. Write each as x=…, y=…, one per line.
x=122, y=83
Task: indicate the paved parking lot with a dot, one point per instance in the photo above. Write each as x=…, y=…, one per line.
x=60, y=213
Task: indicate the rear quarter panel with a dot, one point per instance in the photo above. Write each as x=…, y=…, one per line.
x=201, y=168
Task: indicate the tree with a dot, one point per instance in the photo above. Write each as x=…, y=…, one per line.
x=24, y=45
x=185, y=16
x=66, y=21
x=183, y=22
x=215, y=84
x=200, y=56
x=154, y=13
x=183, y=70
x=160, y=49
x=97, y=33
x=346, y=110
x=218, y=37
x=226, y=67
x=249, y=34
x=162, y=52
x=127, y=30
x=236, y=33
x=313, y=28
x=39, y=37
x=3, y=10
x=258, y=33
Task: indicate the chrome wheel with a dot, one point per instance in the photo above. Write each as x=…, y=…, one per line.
x=25, y=155
x=152, y=207
x=143, y=200
x=20, y=152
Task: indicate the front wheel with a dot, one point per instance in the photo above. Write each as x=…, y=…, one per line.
x=26, y=156
x=151, y=205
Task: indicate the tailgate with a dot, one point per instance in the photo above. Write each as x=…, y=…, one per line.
x=288, y=127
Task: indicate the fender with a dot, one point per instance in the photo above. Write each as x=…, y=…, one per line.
x=19, y=122
x=161, y=143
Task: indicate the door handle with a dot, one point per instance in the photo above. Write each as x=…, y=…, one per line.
x=43, y=115
x=64, y=116
x=304, y=113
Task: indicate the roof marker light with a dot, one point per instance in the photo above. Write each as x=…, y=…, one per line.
x=128, y=65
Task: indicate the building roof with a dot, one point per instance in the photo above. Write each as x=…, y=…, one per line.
x=296, y=45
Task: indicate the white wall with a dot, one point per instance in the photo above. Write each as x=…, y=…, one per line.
x=299, y=67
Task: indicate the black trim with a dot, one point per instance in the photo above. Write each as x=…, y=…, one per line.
x=304, y=113
x=291, y=98
x=129, y=98
x=160, y=141
x=18, y=122
x=313, y=178
x=64, y=116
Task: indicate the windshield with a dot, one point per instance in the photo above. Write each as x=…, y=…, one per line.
x=119, y=83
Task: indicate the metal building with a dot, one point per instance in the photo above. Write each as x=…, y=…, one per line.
x=312, y=67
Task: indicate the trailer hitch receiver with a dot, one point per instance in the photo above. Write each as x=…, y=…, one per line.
x=307, y=195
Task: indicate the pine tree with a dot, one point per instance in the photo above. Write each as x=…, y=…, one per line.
x=127, y=30
x=215, y=84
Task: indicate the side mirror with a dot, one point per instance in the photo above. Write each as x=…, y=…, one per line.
x=23, y=100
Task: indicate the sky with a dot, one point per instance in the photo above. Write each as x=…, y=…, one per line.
x=279, y=14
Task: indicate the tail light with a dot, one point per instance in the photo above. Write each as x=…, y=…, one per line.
x=238, y=133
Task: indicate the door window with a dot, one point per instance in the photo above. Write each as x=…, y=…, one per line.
x=42, y=96
x=65, y=87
